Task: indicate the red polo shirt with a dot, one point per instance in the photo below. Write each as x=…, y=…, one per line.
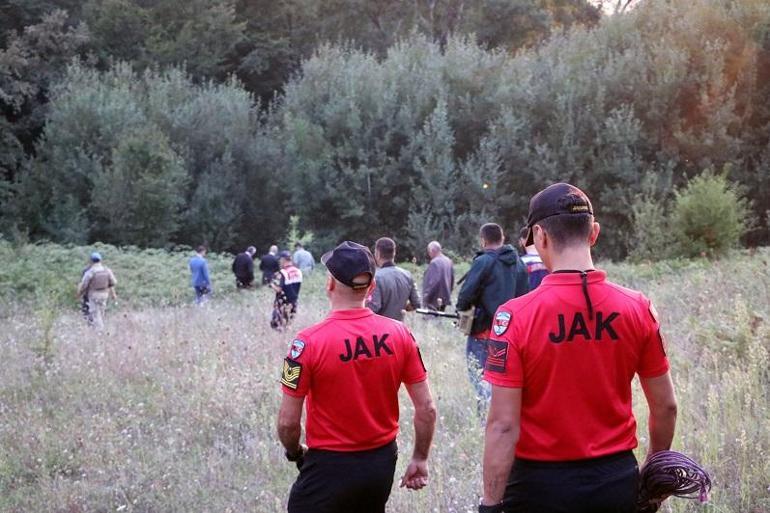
x=575, y=372
x=350, y=366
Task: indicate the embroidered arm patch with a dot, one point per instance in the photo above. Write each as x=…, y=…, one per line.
x=497, y=355
x=291, y=373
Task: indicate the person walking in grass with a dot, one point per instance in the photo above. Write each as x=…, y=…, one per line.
x=395, y=292
x=438, y=280
x=350, y=368
x=199, y=271
x=561, y=362
x=286, y=284
x=303, y=259
x=496, y=275
x=269, y=265
x=98, y=285
x=243, y=269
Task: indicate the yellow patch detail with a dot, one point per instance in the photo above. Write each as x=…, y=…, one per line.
x=291, y=373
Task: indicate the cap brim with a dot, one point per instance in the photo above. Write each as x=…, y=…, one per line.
x=326, y=256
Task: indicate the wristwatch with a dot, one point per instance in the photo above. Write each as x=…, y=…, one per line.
x=497, y=508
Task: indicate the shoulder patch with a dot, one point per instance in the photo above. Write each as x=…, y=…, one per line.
x=291, y=373
x=501, y=323
x=497, y=355
x=297, y=346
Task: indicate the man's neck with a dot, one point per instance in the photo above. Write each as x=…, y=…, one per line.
x=387, y=263
x=346, y=304
x=572, y=259
x=493, y=247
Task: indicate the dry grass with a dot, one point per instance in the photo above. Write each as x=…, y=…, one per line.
x=173, y=410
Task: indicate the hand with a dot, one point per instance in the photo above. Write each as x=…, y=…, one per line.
x=497, y=508
x=416, y=475
x=298, y=456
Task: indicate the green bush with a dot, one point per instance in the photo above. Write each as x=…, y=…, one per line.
x=710, y=215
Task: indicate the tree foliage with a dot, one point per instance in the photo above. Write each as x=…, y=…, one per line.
x=126, y=152
x=418, y=120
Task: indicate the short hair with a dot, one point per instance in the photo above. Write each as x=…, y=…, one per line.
x=386, y=248
x=201, y=249
x=492, y=233
x=297, y=244
x=251, y=250
x=567, y=230
x=434, y=245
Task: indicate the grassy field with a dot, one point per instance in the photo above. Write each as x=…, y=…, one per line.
x=172, y=408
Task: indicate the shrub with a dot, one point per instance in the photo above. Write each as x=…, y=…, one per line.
x=709, y=215
x=650, y=239
x=650, y=236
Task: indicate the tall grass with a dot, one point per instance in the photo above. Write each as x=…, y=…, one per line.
x=172, y=409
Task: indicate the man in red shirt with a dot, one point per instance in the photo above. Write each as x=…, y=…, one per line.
x=350, y=367
x=561, y=362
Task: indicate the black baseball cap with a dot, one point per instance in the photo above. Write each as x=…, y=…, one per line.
x=349, y=260
x=556, y=200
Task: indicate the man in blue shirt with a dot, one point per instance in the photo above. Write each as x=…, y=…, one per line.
x=199, y=269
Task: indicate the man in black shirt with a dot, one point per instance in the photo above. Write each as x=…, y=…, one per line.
x=269, y=265
x=243, y=268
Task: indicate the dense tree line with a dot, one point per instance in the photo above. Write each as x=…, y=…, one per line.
x=153, y=122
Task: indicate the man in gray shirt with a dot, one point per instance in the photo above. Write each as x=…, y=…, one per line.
x=438, y=280
x=303, y=259
x=395, y=291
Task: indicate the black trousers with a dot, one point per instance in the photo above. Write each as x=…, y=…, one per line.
x=600, y=485
x=344, y=482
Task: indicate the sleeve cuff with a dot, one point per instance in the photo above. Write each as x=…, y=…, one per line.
x=505, y=383
x=656, y=373
x=414, y=381
x=293, y=393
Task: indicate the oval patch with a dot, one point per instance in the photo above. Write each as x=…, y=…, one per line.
x=501, y=323
x=296, y=349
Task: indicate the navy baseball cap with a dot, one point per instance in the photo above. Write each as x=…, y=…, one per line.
x=349, y=260
x=285, y=254
x=556, y=200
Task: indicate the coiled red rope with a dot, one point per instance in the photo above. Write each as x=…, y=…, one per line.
x=669, y=473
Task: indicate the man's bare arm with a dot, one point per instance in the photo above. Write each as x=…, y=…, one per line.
x=290, y=422
x=500, y=440
x=661, y=399
x=416, y=475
